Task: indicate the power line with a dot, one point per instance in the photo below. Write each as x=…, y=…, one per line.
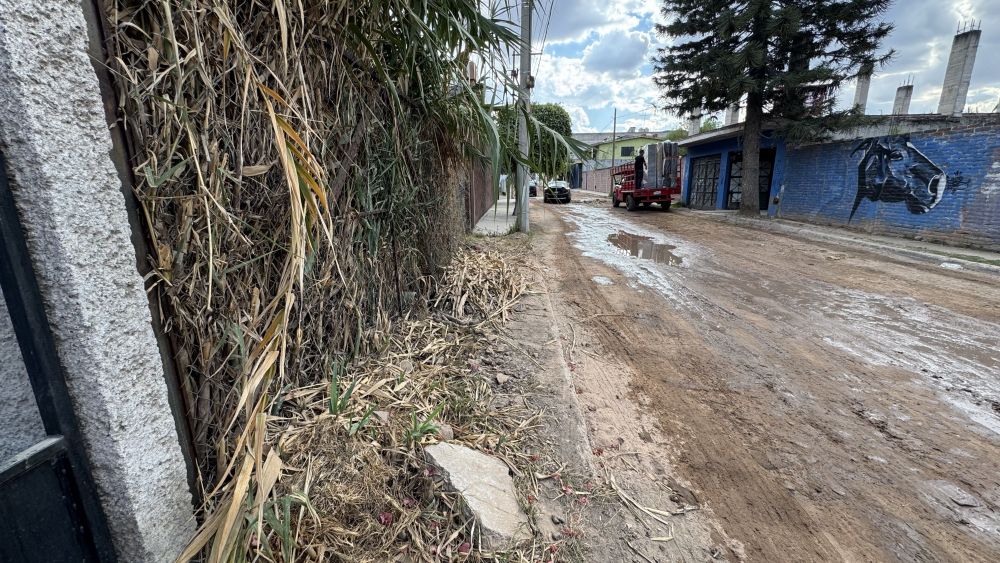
x=545, y=35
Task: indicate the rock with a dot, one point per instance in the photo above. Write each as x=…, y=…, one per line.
x=445, y=432
x=502, y=378
x=382, y=415
x=557, y=520
x=406, y=366
x=487, y=489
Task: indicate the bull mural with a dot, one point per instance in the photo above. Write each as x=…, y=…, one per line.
x=893, y=170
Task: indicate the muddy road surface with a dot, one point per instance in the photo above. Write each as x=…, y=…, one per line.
x=817, y=402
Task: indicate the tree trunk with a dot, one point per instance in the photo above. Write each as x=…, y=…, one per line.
x=750, y=200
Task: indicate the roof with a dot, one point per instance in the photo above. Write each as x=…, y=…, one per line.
x=725, y=132
x=601, y=138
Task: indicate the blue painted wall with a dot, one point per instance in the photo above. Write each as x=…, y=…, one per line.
x=723, y=149
x=821, y=183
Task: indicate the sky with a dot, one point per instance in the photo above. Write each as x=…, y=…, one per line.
x=592, y=56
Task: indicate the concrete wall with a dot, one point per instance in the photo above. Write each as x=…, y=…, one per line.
x=20, y=425
x=822, y=183
x=56, y=142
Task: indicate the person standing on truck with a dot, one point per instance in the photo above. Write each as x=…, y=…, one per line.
x=640, y=168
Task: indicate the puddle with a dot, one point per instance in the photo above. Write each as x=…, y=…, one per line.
x=601, y=280
x=609, y=239
x=645, y=248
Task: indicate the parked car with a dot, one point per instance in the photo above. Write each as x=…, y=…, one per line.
x=532, y=188
x=557, y=192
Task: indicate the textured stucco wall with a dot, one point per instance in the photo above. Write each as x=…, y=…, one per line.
x=20, y=425
x=821, y=182
x=55, y=139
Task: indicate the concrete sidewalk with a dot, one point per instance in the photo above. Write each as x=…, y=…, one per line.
x=499, y=220
x=968, y=258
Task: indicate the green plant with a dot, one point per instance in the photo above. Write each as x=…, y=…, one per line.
x=338, y=401
x=278, y=517
x=420, y=428
x=360, y=423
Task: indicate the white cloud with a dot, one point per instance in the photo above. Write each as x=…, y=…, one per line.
x=575, y=20
x=579, y=118
x=619, y=55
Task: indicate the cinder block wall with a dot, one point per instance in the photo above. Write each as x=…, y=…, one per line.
x=822, y=181
x=597, y=180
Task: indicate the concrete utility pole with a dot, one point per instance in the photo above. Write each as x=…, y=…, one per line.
x=614, y=136
x=524, y=101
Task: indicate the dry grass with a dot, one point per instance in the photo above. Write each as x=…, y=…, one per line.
x=350, y=483
x=296, y=164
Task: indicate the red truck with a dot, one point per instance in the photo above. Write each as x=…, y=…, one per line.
x=661, y=182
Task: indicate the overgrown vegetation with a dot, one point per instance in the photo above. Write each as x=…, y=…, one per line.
x=298, y=166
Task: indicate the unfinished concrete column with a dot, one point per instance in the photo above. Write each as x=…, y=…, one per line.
x=694, y=124
x=958, y=75
x=861, y=90
x=733, y=114
x=901, y=105
x=56, y=143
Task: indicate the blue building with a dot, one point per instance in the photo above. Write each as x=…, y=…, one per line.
x=713, y=169
x=930, y=176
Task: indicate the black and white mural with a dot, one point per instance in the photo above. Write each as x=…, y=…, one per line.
x=892, y=170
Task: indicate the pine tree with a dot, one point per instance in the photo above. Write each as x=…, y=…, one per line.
x=788, y=58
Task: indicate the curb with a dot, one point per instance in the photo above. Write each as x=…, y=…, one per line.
x=807, y=231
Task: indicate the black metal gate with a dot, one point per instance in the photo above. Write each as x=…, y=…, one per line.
x=764, y=176
x=704, y=182
x=49, y=510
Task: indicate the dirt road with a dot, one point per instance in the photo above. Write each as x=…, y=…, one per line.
x=818, y=402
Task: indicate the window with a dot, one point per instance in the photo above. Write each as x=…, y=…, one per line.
x=628, y=151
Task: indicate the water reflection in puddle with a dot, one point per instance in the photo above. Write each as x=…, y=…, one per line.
x=645, y=248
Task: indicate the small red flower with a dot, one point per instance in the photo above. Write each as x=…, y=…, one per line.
x=385, y=518
x=465, y=547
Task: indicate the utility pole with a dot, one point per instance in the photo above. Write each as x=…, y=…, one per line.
x=524, y=101
x=614, y=137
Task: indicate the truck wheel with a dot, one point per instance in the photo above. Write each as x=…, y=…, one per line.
x=614, y=201
x=630, y=202
x=665, y=206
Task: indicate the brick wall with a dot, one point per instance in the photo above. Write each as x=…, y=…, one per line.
x=821, y=183
x=597, y=180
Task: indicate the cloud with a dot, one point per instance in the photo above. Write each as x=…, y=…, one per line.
x=579, y=19
x=618, y=54
x=579, y=119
